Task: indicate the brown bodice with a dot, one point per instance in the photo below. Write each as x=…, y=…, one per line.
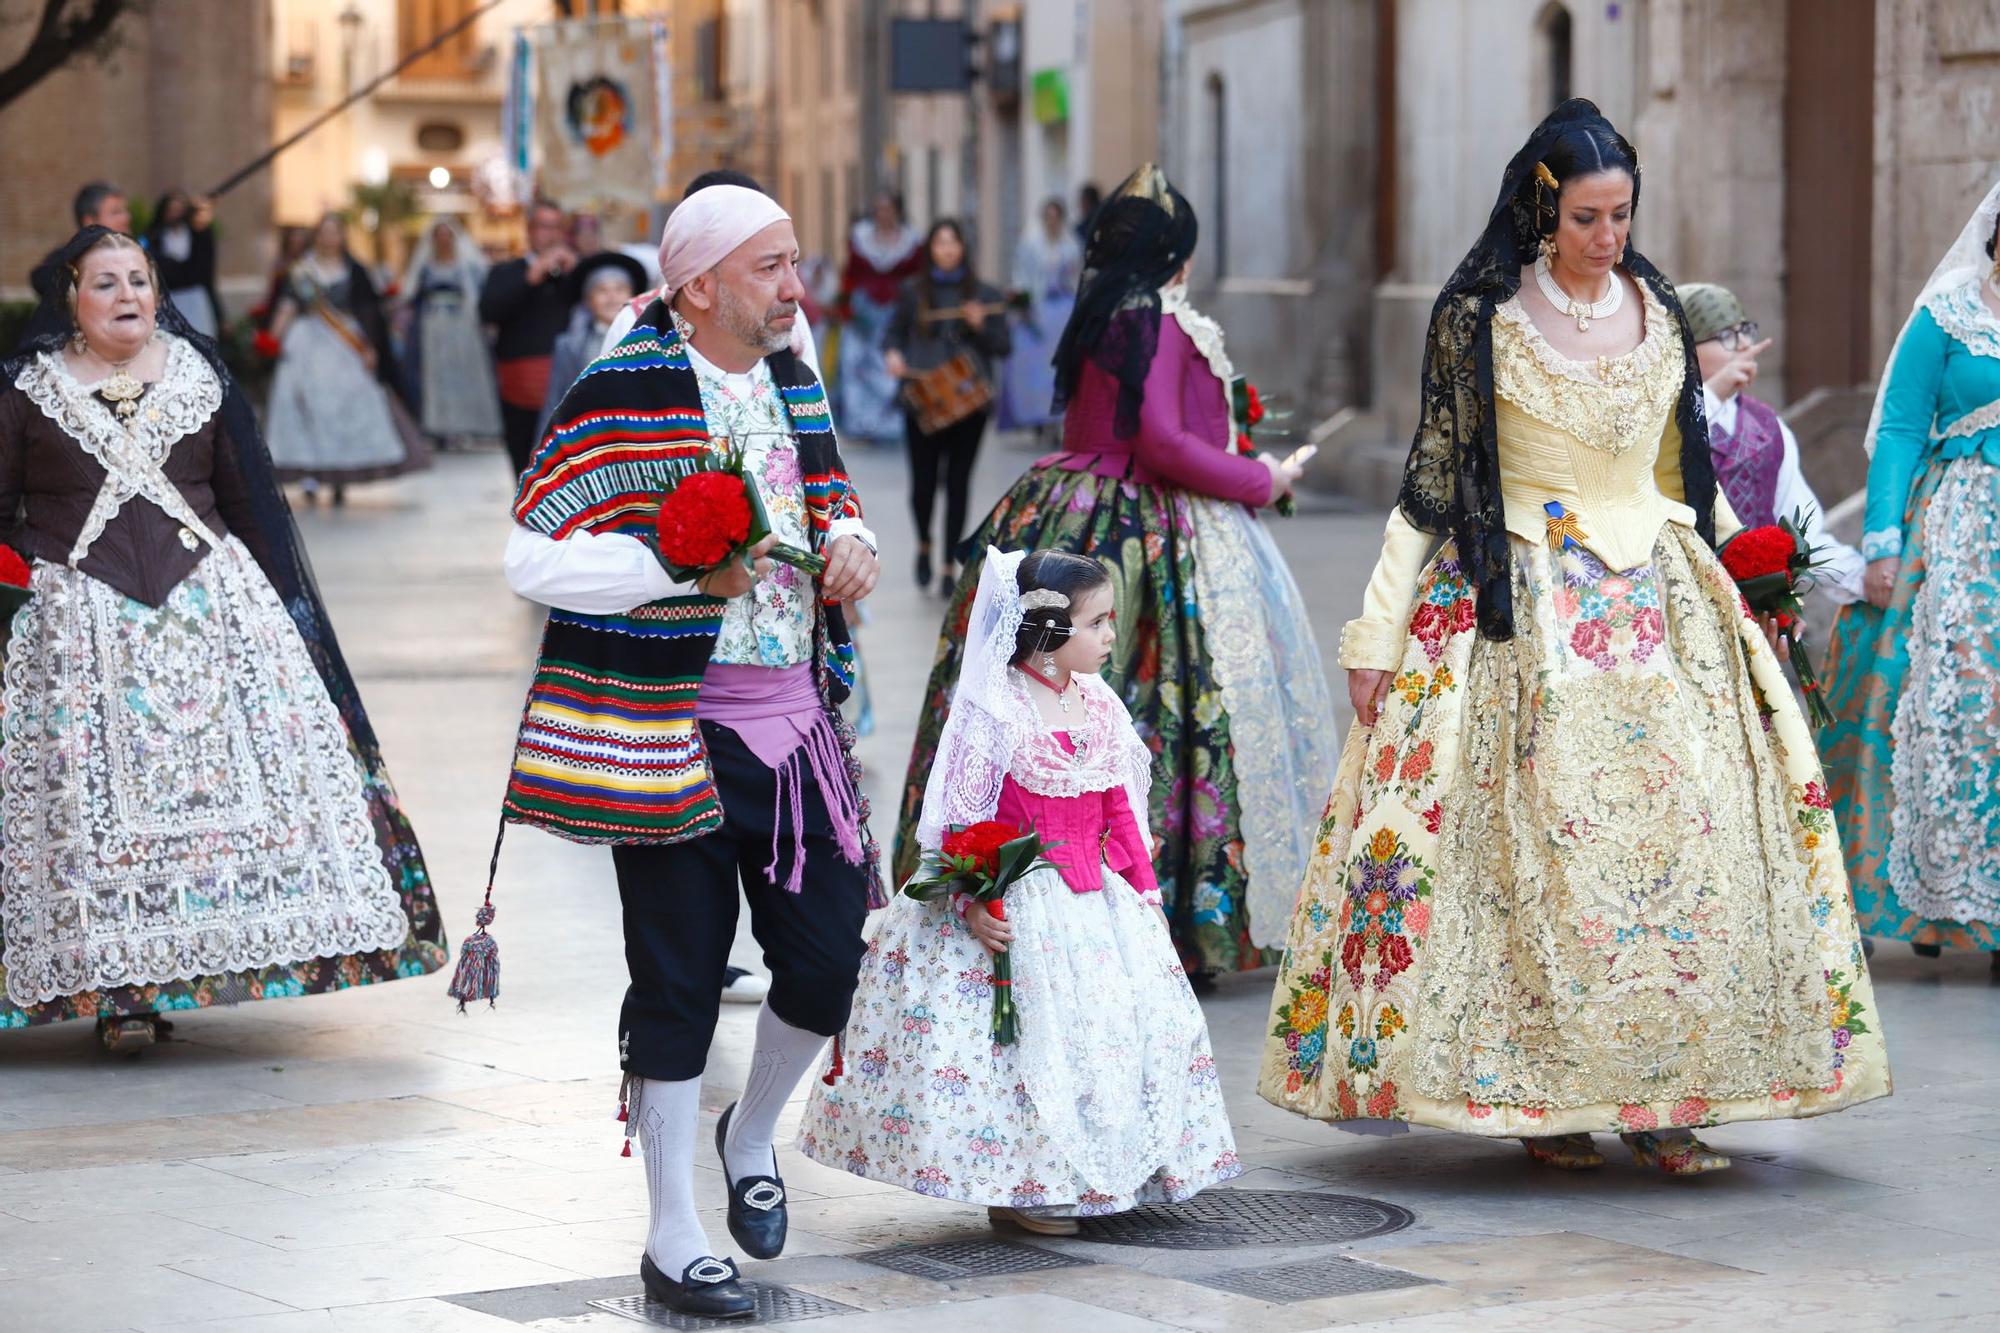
x=49, y=482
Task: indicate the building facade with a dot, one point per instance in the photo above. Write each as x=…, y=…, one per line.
x=151, y=117
x=1816, y=156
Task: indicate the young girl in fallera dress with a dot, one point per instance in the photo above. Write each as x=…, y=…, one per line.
x=1109, y=1098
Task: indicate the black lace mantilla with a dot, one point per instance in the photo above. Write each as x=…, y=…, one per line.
x=1451, y=483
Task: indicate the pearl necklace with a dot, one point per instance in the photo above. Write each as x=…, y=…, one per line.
x=1582, y=312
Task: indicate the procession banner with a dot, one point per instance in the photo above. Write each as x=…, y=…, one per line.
x=596, y=111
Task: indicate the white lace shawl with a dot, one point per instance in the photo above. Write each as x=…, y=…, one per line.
x=994, y=730
x=1952, y=297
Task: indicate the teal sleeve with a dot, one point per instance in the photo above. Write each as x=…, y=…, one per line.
x=1909, y=406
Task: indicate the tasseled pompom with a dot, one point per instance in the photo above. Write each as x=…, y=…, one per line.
x=622, y=1114
x=478, y=974
x=626, y=1151
x=834, y=1070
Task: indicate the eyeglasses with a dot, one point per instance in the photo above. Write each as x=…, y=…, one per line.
x=1737, y=338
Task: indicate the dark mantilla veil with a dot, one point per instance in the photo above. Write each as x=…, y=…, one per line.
x=1451, y=483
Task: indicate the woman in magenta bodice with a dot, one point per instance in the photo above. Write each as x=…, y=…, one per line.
x=1215, y=659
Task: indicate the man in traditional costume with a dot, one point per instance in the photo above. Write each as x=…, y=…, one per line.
x=1756, y=455
x=694, y=726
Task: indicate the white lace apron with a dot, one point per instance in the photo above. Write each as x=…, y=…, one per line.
x=1942, y=856
x=178, y=797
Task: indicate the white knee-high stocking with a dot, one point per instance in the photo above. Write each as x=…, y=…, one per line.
x=667, y=1114
x=784, y=1054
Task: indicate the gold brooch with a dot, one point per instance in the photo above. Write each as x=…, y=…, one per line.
x=123, y=392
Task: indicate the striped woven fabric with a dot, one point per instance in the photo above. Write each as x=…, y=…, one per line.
x=609, y=749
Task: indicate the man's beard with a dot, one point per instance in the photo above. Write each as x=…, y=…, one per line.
x=739, y=322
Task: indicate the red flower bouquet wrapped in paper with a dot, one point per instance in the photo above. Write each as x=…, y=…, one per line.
x=1772, y=566
x=982, y=861
x=714, y=516
x=1248, y=411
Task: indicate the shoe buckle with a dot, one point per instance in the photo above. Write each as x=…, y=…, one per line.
x=709, y=1272
x=763, y=1196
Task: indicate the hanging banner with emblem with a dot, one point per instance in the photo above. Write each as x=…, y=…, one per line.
x=600, y=127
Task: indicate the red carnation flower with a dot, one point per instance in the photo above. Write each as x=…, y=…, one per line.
x=14, y=571
x=266, y=345
x=1759, y=551
x=704, y=520
x=981, y=843
x=1255, y=412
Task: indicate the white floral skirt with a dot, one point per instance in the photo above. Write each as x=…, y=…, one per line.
x=1584, y=879
x=1109, y=1099
x=178, y=796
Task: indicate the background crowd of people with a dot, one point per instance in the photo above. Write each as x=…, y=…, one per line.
x=363, y=372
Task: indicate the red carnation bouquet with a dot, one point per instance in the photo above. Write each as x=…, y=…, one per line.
x=982, y=861
x=15, y=580
x=714, y=516
x=1772, y=566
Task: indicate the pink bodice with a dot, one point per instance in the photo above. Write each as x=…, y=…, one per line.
x=1183, y=436
x=1094, y=830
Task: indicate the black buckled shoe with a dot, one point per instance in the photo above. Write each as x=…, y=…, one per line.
x=708, y=1287
x=757, y=1217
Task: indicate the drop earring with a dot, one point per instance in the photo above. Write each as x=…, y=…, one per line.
x=1549, y=248
x=1048, y=664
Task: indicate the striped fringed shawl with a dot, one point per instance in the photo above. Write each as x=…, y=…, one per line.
x=609, y=750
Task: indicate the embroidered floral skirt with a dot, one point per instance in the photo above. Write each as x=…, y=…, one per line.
x=1216, y=662
x=1585, y=879
x=1109, y=1099
x=184, y=820
x=1912, y=760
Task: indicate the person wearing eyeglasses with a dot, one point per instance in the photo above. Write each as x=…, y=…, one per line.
x=1756, y=455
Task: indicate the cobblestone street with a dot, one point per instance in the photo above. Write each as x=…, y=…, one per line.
x=373, y=1160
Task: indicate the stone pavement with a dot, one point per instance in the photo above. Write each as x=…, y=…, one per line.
x=374, y=1161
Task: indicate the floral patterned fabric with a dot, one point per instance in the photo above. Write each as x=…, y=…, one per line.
x=772, y=624
x=1583, y=879
x=1155, y=540
x=186, y=821
x=1110, y=1098
x=1869, y=685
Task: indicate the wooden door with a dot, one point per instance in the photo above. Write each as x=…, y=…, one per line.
x=1829, y=192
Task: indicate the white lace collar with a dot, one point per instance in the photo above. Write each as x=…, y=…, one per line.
x=1962, y=312
x=884, y=253
x=186, y=395
x=1203, y=332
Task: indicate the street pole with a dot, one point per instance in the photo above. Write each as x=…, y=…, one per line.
x=969, y=187
x=874, y=98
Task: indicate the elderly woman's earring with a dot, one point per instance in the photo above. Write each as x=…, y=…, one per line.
x=1549, y=247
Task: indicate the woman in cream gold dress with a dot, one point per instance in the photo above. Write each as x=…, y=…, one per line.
x=1579, y=872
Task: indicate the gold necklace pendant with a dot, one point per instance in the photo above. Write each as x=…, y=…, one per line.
x=123, y=392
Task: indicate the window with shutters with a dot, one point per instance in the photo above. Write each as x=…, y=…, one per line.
x=419, y=24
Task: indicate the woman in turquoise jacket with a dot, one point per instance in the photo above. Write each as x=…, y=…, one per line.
x=1913, y=758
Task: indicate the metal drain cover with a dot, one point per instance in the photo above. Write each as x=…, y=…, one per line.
x=775, y=1305
x=948, y=1259
x=1333, y=1275
x=1220, y=1219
